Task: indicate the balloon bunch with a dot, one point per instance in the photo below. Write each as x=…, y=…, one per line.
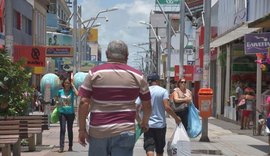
x=263, y=60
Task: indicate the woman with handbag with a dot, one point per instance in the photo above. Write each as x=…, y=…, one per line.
x=182, y=97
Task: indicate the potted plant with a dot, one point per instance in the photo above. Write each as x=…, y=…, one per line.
x=15, y=91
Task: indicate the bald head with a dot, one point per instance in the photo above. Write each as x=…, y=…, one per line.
x=117, y=51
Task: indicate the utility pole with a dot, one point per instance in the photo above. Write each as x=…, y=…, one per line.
x=168, y=71
x=9, y=28
x=158, y=49
x=206, y=50
x=182, y=35
x=79, y=40
x=75, y=52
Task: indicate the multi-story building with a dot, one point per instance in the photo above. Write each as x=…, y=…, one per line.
x=23, y=31
x=59, y=39
x=233, y=61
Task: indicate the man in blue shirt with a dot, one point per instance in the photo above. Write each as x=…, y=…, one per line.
x=154, y=138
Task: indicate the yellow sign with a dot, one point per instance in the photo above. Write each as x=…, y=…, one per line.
x=38, y=70
x=93, y=35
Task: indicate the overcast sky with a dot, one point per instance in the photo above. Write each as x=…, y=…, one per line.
x=123, y=23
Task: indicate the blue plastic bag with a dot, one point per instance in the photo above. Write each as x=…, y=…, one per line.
x=194, y=123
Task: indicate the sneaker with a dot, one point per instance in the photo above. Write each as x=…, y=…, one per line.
x=70, y=148
x=61, y=150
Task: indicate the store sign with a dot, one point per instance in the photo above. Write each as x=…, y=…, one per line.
x=168, y=1
x=188, y=72
x=59, y=51
x=176, y=72
x=34, y=56
x=257, y=43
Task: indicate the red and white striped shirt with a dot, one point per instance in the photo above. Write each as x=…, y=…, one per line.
x=113, y=89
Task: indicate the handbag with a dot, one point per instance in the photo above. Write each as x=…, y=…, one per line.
x=55, y=115
x=242, y=104
x=178, y=107
x=194, y=123
x=179, y=143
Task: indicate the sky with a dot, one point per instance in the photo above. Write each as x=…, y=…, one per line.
x=123, y=23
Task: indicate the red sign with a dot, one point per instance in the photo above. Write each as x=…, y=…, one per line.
x=176, y=72
x=188, y=72
x=34, y=55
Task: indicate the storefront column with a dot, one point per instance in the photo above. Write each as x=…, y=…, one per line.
x=218, y=91
x=258, y=92
x=228, y=69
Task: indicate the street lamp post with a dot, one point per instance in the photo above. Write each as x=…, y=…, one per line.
x=77, y=46
x=160, y=49
x=146, y=57
x=94, y=20
x=74, y=36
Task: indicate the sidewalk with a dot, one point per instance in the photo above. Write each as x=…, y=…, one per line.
x=225, y=139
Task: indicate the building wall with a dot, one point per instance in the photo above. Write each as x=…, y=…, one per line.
x=257, y=9
x=39, y=22
x=22, y=35
x=231, y=14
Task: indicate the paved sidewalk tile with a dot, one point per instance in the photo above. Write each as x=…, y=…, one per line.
x=223, y=141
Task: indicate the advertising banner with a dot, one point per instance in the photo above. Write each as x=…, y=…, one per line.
x=176, y=72
x=168, y=1
x=59, y=51
x=33, y=55
x=93, y=35
x=58, y=39
x=188, y=72
x=257, y=43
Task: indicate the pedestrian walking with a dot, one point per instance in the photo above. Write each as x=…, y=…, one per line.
x=65, y=104
x=110, y=91
x=155, y=137
x=239, y=91
x=182, y=97
x=249, y=96
x=267, y=107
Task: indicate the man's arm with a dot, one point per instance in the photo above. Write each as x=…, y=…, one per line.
x=169, y=110
x=83, y=111
x=147, y=111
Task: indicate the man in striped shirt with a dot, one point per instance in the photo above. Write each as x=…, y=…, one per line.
x=110, y=91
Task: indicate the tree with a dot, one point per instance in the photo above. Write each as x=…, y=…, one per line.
x=15, y=91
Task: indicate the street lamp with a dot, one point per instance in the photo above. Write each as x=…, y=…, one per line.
x=95, y=18
x=82, y=47
x=158, y=39
x=83, y=36
x=146, y=57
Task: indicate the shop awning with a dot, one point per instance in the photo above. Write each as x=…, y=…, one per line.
x=232, y=35
x=263, y=22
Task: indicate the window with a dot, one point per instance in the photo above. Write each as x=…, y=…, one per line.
x=239, y=5
x=17, y=20
x=26, y=25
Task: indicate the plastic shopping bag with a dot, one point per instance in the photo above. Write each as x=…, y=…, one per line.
x=55, y=115
x=194, y=123
x=179, y=143
x=138, y=131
